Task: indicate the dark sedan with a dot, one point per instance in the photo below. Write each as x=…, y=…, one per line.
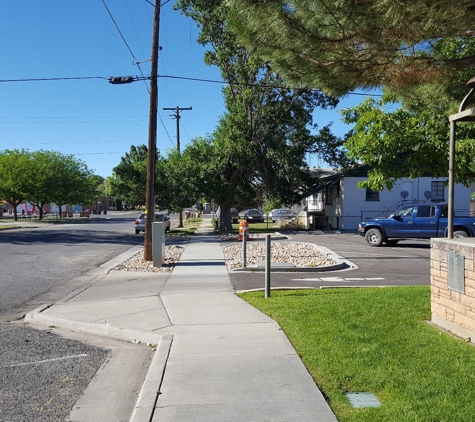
x=254, y=216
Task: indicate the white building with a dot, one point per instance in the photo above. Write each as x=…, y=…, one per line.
x=337, y=203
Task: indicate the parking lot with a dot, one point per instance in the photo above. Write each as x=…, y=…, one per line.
x=406, y=263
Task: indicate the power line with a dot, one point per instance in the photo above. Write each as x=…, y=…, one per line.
x=101, y=153
x=118, y=30
x=64, y=120
x=75, y=117
x=74, y=78
x=82, y=143
x=185, y=78
x=144, y=78
x=125, y=41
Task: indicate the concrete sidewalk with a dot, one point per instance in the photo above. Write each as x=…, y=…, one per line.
x=217, y=359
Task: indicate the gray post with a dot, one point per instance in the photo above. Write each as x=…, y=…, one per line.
x=267, y=266
x=158, y=243
x=244, y=247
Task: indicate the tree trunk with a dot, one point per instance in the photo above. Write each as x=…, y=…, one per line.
x=225, y=223
x=15, y=213
x=40, y=207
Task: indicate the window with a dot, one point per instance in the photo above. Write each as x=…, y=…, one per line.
x=372, y=195
x=437, y=191
x=426, y=211
x=405, y=212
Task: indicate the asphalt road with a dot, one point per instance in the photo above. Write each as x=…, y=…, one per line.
x=406, y=263
x=42, y=373
x=38, y=259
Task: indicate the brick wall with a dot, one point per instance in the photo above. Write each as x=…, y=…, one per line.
x=452, y=310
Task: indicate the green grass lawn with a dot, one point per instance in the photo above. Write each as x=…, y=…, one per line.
x=189, y=227
x=377, y=340
x=9, y=227
x=260, y=227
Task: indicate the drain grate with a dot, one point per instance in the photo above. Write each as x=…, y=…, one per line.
x=363, y=400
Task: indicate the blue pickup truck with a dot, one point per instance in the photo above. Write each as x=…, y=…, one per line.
x=415, y=222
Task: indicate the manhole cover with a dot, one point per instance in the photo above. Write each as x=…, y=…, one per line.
x=363, y=400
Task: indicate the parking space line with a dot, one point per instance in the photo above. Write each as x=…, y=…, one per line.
x=46, y=361
x=339, y=279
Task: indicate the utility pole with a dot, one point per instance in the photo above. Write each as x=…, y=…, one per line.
x=152, y=138
x=177, y=117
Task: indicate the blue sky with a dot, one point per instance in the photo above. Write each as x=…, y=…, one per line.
x=89, y=118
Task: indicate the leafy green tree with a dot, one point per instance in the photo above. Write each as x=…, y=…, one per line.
x=129, y=177
x=14, y=182
x=260, y=143
x=193, y=174
x=397, y=142
x=100, y=183
x=57, y=178
x=340, y=46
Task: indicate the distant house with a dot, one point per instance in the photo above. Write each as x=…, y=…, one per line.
x=337, y=202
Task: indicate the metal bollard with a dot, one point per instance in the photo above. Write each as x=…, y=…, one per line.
x=244, y=247
x=267, y=267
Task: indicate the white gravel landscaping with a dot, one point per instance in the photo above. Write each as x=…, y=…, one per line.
x=299, y=254
x=137, y=263
x=303, y=255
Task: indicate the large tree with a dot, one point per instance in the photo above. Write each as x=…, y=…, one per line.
x=14, y=165
x=406, y=133
x=348, y=44
x=262, y=140
x=57, y=178
x=397, y=142
x=129, y=177
x=194, y=174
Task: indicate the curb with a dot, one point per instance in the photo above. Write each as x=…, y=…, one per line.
x=148, y=396
x=36, y=317
x=146, y=403
x=335, y=267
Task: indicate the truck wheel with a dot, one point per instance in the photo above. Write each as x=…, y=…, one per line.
x=374, y=237
x=460, y=233
x=137, y=231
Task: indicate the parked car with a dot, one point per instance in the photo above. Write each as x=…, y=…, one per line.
x=140, y=222
x=254, y=216
x=242, y=213
x=282, y=214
